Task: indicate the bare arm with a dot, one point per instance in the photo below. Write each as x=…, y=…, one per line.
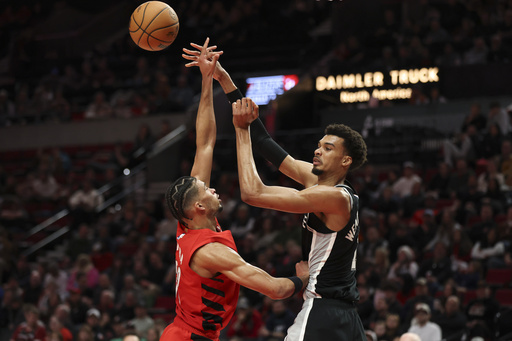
x=297, y=170
x=216, y=257
x=206, y=128
x=325, y=199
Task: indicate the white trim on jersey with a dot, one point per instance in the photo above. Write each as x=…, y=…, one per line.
x=314, y=275
x=300, y=321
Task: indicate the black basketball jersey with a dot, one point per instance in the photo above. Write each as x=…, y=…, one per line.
x=332, y=255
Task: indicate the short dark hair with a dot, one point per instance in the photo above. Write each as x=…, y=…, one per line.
x=179, y=195
x=353, y=143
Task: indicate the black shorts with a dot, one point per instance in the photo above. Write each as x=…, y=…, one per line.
x=326, y=319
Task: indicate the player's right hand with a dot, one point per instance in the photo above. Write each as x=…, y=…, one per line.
x=245, y=111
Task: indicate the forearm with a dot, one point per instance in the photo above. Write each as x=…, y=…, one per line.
x=226, y=82
x=205, y=121
x=250, y=183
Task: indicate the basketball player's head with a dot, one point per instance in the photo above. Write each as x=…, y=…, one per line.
x=188, y=196
x=340, y=148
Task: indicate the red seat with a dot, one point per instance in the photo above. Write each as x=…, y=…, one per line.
x=504, y=297
x=165, y=302
x=498, y=277
x=469, y=295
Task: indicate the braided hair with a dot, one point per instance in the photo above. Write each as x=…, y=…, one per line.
x=179, y=195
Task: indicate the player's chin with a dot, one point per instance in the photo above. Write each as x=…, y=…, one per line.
x=316, y=171
x=220, y=208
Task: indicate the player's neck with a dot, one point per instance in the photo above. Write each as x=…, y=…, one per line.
x=331, y=179
x=204, y=223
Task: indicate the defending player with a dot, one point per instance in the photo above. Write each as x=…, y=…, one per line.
x=209, y=271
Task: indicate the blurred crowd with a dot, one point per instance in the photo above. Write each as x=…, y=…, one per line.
x=432, y=233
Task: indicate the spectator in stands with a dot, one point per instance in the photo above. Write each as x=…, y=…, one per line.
x=7, y=109
x=277, y=322
x=142, y=322
x=452, y=320
x=489, y=250
x=181, y=95
x=121, y=106
x=93, y=322
x=460, y=177
x=32, y=329
x=461, y=247
x=491, y=141
x=405, y=263
x=393, y=327
x=166, y=228
x=478, y=53
x=83, y=267
x=246, y=322
x=106, y=303
x=99, y=108
x=33, y=291
x=421, y=295
x=11, y=312
x=81, y=243
x=422, y=326
x=142, y=145
x=404, y=185
x=505, y=161
x=498, y=116
x=83, y=203
x=491, y=172
x=460, y=147
x=485, y=222
x=59, y=108
x=372, y=241
x=48, y=301
x=438, y=268
x=475, y=118
x=63, y=314
x=444, y=232
x=243, y=221
x=386, y=202
x=414, y=201
x=56, y=326
x=45, y=186
x=380, y=311
x=398, y=234
x=481, y=313
x=85, y=333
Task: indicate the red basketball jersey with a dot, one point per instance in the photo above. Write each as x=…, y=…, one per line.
x=204, y=304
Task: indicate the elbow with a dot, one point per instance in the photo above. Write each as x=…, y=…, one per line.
x=248, y=197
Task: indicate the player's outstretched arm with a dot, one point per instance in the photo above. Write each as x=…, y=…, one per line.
x=206, y=129
x=263, y=143
x=216, y=257
x=326, y=199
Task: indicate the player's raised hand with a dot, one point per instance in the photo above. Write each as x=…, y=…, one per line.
x=245, y=111
x=207, y=59
x=193, y=56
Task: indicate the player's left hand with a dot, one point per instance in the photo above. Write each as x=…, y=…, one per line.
x=302, y=269
x=245, y=111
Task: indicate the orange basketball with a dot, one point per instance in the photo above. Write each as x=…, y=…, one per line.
x=154, y=25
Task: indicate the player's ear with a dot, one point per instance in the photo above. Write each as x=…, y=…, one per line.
x=346, y=161
x=198, y=206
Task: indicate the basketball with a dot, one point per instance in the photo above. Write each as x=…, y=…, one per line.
x=154, y=25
